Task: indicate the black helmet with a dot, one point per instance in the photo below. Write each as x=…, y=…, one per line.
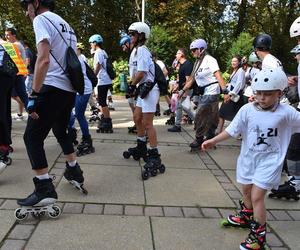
x=263, y=42
x=46, y=3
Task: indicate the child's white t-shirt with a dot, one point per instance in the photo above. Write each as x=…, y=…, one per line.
x=266, y=136
x=100, y=57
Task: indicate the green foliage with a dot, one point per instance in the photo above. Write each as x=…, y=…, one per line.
x=119, y=67
x=242, y=47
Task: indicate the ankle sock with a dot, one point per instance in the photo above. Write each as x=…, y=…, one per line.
x=72, y=163
x=43, y=176
x=142, y=138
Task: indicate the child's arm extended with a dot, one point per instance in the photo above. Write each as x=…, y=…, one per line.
x=212, y=142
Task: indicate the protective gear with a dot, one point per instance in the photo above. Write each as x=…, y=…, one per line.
x=295, y=28
x=140, y=28
x=296, y=50
x=253, y=58
x=31, y=106
x=270, y=79
x=96, y=39
x=198, y=44
x=46, y=3
x=80, y=46
x=262, y=41
x=124, y=39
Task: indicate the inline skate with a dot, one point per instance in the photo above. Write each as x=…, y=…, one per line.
x=72, y=132
x=240, y=219
x=40, y=202
x=94, y=117
x=85, y=147
x=111, y=106
x=140, y=151
x=157, y=112
x=75, y=177
x=289, y=190
x=167, y=112
x=105, y=125
x=153, y=164
x=196, y=144
x=171, y=121
x=132, y=130
x=4, y=158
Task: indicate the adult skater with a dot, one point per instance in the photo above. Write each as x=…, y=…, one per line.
x=50, y=102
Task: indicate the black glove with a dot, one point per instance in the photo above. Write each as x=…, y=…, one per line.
x=130, y=91
x=225, y=91
x=32, y=101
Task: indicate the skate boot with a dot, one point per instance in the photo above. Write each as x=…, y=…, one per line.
x=105, y=125
x=75, y=177
x=132, y=130
x=196, y=144
x=5, y=160
x=140, y=151
x=241, y=219
x=153, y=164
x=40, y=202
x=256, y=239
x=289, y=190
x=85, y=147
x=157, y=112
x=171, y=121
x=111, y=106
x=94, y=117
x=167, y=112
x=175, y=129
x=72, y=132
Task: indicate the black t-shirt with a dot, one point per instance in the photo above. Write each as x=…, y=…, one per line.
x=32, y=59
x=185, y=69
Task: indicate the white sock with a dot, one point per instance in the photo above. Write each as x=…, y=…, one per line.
x=72, y=163
x=142, y=138
x=43, y=176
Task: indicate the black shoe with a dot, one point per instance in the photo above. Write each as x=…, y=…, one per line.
x=43, y=195
x=74, y=173
x=175, y=129
x=197, y=142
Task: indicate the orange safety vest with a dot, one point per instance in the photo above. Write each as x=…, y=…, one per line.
x=15, y=55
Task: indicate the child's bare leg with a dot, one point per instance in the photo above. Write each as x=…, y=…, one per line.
x=258, y=202
x=246, y=189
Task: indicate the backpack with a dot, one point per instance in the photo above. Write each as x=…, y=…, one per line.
x=73, y=69
x=91, y=75
x=7, y=65
x=110, y=69
x=160, y=79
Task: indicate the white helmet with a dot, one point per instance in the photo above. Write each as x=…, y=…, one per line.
x=270, y=79
x=253, y=58
x=295, y=28
x=296, y=50
x=140, y=27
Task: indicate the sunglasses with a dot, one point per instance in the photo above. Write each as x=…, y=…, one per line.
x=193, y=50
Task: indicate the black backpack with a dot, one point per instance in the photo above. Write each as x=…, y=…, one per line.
x=110, y=69
x=73, y=69
x=91, y=75
x=160, y=79
x=7, y=65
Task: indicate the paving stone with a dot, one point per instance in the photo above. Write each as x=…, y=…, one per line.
x=1, y=201
x=279, y=248
x=173, y=212
x=113, y=209
x=234, y=194
x=225, y=212
x=223, y=179
x=9, y=205
x=7, y=221
x=273, y=240
x=228, y=186
x=294, y=214
x=280, y=215
x=13, y=245
x=210, y=212
x=270, y=217
x=212, y=166
x=93, y=209
x=21, y=232
x=154, y=211
x=134, y=210
x=192, y=212
x=73, y=208
x=218, y=172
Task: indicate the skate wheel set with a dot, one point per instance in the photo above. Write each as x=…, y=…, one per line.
x=84, y=151
x=103, y=130
x=127, y=154
x=53, y=211
x=225, y=223
x=78, y=186
x=288, y=196
x=148, y=172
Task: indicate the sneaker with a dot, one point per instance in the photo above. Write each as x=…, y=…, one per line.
x=175, y=129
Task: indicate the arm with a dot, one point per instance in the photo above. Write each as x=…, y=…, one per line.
x=212, y=142
x=97, y=68
x=138, y=77
x=41, y=65
x=165, y=71
x=240, y=83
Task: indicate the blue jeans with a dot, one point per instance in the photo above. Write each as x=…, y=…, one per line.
x=80, y=107
x=20, y=89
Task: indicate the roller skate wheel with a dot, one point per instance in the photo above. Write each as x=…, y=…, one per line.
x=154, y=172
x=9, y=161
x=145, y=175
x=37, y=215
x=56, y=211
x=126, y=154
x=224, y=223
x=162, y=169
x=19, y=215
x=84, y=191
x=136, y=157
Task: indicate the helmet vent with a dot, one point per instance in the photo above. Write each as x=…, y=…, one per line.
x=266, y=79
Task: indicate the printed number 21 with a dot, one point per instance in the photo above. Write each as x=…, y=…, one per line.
x=272, y=132
x=63, y=27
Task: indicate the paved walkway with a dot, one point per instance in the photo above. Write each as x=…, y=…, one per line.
x=180, y=209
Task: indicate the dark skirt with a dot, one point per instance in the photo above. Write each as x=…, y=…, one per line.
x=229, y=110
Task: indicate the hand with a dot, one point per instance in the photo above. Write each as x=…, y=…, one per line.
x=292, y=80
x=180, y=93
x=226, y=98
x=31, y=106
x=131, y=89
x=208, y=144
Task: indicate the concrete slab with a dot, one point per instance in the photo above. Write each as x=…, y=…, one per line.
x=288, y=231
x=180, y=233
x=107, y=153
x=92, y=232
x=186, y=187
x=7, y=220
x=225, y=157
x=106, y=184
x=16, y=180
x=270, y=203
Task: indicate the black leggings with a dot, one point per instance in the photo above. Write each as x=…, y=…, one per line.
x=102, y=94
x=54, y=107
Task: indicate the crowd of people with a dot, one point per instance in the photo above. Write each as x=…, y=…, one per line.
x=255, y=100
